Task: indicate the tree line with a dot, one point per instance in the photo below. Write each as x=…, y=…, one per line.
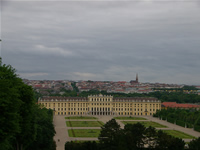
x=189, y=118
x=23, y=124
x=179, y=97
x=132, y=137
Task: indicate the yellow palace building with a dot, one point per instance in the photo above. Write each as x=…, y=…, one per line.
x=101, y=105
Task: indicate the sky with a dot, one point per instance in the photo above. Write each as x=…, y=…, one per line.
x=103, y=40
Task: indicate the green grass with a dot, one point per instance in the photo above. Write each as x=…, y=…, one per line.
x=146, y=123
x=84, y=132
x=82, y=141
x=84, y=123
x=80, y=117
x=130, y=118
x=179, y=134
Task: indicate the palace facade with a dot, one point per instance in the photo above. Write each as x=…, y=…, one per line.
x=101, y=105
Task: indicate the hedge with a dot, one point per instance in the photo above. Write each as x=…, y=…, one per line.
x=180, y=123
x=197, y=128
x=189, y=125
x=171, y=120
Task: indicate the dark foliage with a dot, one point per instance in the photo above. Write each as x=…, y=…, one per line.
x=23, y=125
x=183, y=117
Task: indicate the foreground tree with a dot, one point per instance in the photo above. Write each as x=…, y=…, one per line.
x=134, y=135
x=110, y=135
x=45, y=130
x=9, y=105
x=165, y=141
x=194, y=144
x=22, y=122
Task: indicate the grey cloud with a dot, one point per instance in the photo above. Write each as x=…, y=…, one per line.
x=103, y=40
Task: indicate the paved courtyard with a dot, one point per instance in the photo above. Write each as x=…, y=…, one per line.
x=62, y=130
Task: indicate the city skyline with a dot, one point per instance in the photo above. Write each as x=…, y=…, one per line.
x=103, y=41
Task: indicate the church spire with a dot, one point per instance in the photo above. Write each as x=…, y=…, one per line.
x=136, y=77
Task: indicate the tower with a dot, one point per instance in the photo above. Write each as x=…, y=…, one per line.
x=136, y=78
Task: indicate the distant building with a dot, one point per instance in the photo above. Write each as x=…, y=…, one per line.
x=166, y=105
x=135, y=81
x=101, y=105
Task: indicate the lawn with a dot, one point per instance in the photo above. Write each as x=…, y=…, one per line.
x=179, y=134
x=82, y=141
x=84, y=132
x=146, y=123
x=80, y=117
x=84, y=123
x=130, y=118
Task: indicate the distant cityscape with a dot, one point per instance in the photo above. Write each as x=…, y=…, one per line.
x=47, y=87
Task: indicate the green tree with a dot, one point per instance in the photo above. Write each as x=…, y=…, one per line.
x=22, y=122
x=45, y=130
x=27, y=122
x=165, y=141
x=9, y=105
x=135, y=135
x=109, y=134
x=194, y=144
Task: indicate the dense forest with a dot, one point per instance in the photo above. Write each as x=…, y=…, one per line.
x=23, y=124
x=132, y=137
x=189, y=118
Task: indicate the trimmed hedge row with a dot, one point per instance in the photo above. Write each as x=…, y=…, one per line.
x=197, y=128
x=180, y=123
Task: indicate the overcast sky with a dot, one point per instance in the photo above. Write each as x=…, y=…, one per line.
x=103, y=40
